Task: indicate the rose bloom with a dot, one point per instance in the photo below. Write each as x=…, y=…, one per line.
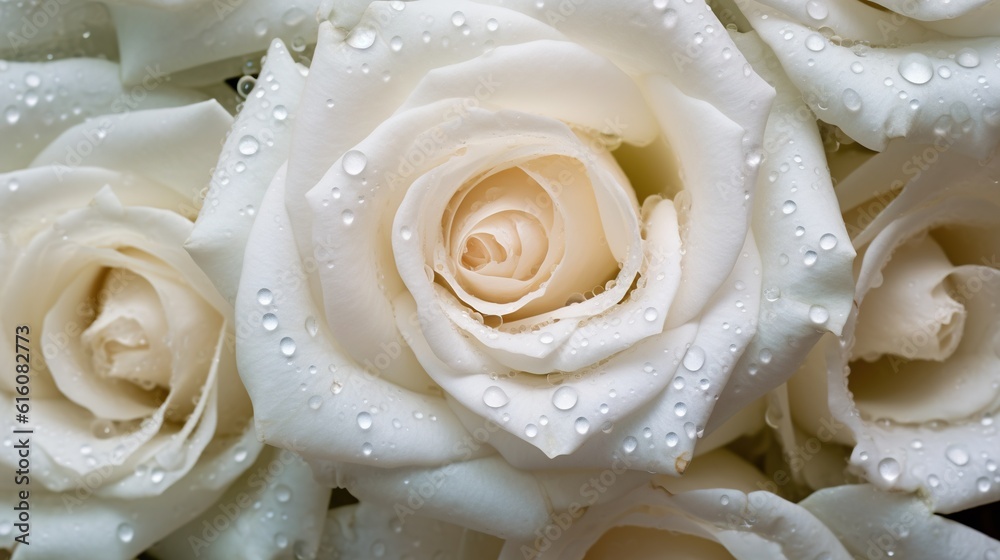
x=481, y=253
x=138, y=417
x=913, y=384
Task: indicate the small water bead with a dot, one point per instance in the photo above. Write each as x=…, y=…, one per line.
x=565, y=398
x=531, y=430
x=283, y=493
x=967, y=58
x=367, y=449
x=694, y=358
x=957, y=455
x=765, y=356
x=125, y=533
x=704, y=384
x=916, y=68
x=772, y=294
x=240, y=454
x=582, y=425
x=396, y=43
x=13, y=185
x=818, y=314
x=12, y=114
x=857, y=67
x=889, y=469
x=629, y=444
x=364, y=420
x=983, y=484
x=788, y=207
x=670, y=19
x=336, y=387
x=495, y=397
x=347, y=216
x=809, y=258
x=827, y=241
x=280, y=112
x=315, y=402
x=269, y=321
x=660, y=4
x=672, y=439
x=354, y=162
x=651, y=314
x=678, y=383
x=817, y=10
x=102, y=428
x=248, y=145
x=852, y=100
x=458, y=19
x=680, y=409
x=933, y=481
x=546, y=338
x=800, y=231
x=287, y=346
x=361, y=37
x=492, y=24
x=604, y=408
x=815, y=42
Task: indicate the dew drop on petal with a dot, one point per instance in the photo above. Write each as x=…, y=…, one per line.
x=531, y=430
x=354, y=162
x=650, y=314
x=347, y=216
x=315, y=402
x=629, y=444
x=857, y=67
x=852, y=100
x=672, y=439
x=815, y=42
x=916, y=68
x=361, y=37
x=565, y=397
x=816, y=10
x=458, y=19
x=367, y=449
x=818, y=314
x=967, y=58
x=983, y=484
x=495, y=397
x=364, y=420
x=889, y=469
x=546, y=338
x=680, y=409
x=248, y=145
x=264, y=296
x=582, y=425
x=809, y=258
x=957, y=455
x=694, y=359
x=287, y=346
x=269, y=321
x=280, y=112
x=788, y=207
x=827, y=241
x=125, y=533
x=492, y=24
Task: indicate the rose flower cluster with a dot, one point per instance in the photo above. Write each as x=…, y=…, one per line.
x=500, y=279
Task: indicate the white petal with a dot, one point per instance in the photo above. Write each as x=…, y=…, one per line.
x=256, y=147
x=217, y=35
x=805, y=251
x=273, y=508
x=50, y=97
x=892, y=92
x=874, y=524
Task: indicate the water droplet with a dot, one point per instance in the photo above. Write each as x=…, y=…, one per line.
x=248, y=145
x=916, y=68
x=983, y=484
x=367, y=449
x=565, y=397
x=857, y=67
x=336, y=387
x=495, y=397
x=364, y=420
x=828, y=241
x=818, y=314
x=765, y=356
x=492, y=24
x=315, y=402
x=396, y=43
x=287, y=346
x=125, y=533
x=347, y=216
x=967, y=58
x=12, y=114
x=629, y=444
x=815, y=42
x=103, y=429
x=531, y=430
x=809, y=258
x=354, y=162
x=240, y=454
x=406, y=233
x=889, y=469
x=650, y=314
x=933, y=481
x=694, y=358
x=458, y=19
x=788, y=207
x=816, y=10
x=311, y=327
x=582, y=425
x=280, y=112
x=672, y=439
x=852, y=100
x=13, y=185
x=361, y=37
x=546, y=338
x=269, y=321
x=957, y=455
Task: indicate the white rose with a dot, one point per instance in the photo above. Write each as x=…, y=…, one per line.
x=452, y=254
x=139, y=419
x=915, y=382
